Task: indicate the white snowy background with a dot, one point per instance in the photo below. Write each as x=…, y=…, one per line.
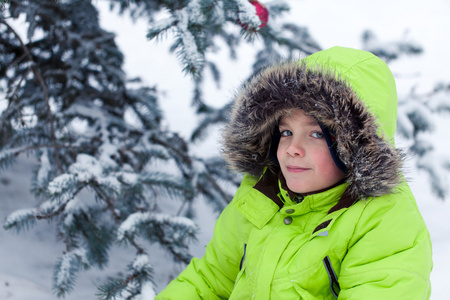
x=27, y=259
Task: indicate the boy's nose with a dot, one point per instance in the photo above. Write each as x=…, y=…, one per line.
x=295, y=149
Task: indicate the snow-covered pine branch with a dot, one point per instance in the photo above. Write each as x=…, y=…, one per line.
x=138, y=281
x=416, y=121
x=390, y=50
x=168, y=229
x=66, y=270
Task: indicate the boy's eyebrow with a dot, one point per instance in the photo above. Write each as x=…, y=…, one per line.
x=281, y=122
x=312, y=122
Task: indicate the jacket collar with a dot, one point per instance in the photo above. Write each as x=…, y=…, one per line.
x=260, y=203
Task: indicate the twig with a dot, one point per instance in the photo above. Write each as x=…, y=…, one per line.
x=17, y=151
x=217, y=187
x=61, y=208
x=117, y=218
x=41, y=81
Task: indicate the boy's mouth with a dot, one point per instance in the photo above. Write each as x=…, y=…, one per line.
x=294, y=169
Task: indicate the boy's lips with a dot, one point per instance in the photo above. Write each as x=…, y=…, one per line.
x=295, y=169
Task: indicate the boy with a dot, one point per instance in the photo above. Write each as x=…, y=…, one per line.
x=323, y=211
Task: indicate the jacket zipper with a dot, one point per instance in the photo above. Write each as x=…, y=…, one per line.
x=243, y=257
x=334, y=284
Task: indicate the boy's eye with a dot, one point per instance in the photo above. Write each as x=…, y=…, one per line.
x=317, y=134
x=286, y=133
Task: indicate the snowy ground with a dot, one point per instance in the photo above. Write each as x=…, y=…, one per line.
x=27, y=259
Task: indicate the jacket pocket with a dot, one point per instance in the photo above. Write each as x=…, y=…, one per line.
x=334, y=282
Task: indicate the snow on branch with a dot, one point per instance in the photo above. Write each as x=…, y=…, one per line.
x=67, y=268
x=416, y=120
x=181, y=226
x=87, y=168
x=277, y=7
x=437, y=166
x=189, y=50
x=168, y=184
x=390, y=50
x=172, y=233
x=20, y=219
x=61, y=185
x=138, y=281
x=141, y=262
x=158, y=27
x=85, y=171
x=440, y=99
x=413, y=117
x=44, y=168
x=155, y=150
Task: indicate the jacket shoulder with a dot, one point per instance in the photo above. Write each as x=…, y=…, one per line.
x=390, y=245
x=398, y=207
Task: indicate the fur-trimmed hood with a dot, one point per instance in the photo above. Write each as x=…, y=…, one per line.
x=350, y=92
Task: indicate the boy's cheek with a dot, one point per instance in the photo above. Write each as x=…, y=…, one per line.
x=279, y=151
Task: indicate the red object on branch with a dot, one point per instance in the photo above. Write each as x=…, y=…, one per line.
x=261, y=12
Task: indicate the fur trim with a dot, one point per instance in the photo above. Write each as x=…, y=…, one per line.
x=373, y=163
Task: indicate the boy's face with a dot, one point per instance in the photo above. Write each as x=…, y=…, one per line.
x=303, y=154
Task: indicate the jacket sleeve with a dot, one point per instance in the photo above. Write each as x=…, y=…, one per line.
x=212, y=276
x=389, y=256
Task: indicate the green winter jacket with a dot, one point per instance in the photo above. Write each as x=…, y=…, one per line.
x=362, y=239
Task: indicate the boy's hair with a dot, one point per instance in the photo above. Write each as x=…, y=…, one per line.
x=323, y=86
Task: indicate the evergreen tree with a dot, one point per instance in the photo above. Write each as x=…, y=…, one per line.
x=416, y=114
x=104, y=161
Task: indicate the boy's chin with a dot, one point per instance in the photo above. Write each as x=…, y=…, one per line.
x=298, y=189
